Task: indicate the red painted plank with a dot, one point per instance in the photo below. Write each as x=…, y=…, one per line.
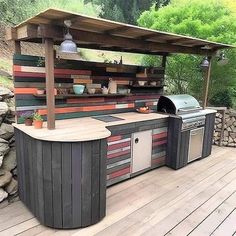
x=160, y=135
x=119, y=173
x=25, y=90
x=118, y=145
x=118, y=154
x=159, y=143
x=38, y=75
x=83, y=100
x=159, y=160
x=114, y=138
x=80, y=109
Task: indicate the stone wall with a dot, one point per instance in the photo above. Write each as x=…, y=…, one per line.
x=8, y=171
x=225, y=128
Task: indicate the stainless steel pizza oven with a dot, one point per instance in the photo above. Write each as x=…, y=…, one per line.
x=187, y=126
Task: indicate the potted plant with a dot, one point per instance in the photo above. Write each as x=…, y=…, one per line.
x=27, y=118
x=38, y=121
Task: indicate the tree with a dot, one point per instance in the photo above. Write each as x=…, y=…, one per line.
x=15, y=11
x=125, y=11
x=209, y=20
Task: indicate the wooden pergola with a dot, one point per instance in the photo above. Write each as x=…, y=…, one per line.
x=88, y=32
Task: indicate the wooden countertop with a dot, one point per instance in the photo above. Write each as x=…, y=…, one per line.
x=84, y=129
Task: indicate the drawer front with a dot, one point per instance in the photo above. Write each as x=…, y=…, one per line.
x=118, y=158
x=159, y=142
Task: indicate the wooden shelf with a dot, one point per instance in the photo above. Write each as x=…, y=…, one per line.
x=146, y=86
x=43, y=96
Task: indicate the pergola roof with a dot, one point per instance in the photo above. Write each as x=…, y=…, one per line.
x=95, y=33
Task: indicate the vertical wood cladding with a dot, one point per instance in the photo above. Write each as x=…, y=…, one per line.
x=119, y=148
x=63, y=184
x=208, y=135
x=177, y=145
x=29, y=75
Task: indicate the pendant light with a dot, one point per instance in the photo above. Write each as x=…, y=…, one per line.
x=222, y=60
x=205, y=63
x=68, y=45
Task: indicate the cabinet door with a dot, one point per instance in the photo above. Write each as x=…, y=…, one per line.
x=141, y=150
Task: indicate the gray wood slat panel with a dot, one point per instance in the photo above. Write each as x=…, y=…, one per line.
x=208, y=135
x=26, y=171
x=19, y=161
x=184, y=147
x=76, y=183
x=30, y=177
x=47, y=183
x=95, y=178
x=119, y=158
x=34, y=176
x=103, y=153
x=39, y=171
x=56, y=184
x=66, y=185
x=86, y=182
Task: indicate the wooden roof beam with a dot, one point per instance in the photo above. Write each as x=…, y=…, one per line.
x=116, y=30
x=57, y=33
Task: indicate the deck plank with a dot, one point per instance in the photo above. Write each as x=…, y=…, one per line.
x=228, y=226
x=198, y=200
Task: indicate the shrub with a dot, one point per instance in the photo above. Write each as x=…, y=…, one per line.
x=223, y=98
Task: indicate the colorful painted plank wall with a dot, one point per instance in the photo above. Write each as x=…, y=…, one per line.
x=119, y=154
x=29, y=75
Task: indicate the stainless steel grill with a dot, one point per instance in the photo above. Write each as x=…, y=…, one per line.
x=188, y=111
x=185, y=107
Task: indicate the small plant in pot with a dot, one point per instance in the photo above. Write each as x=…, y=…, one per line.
x=28, y=118
x=38, y=121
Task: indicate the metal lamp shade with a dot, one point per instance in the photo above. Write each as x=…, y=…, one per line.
x=222, y=60
x=68, y=46
x=205, y=63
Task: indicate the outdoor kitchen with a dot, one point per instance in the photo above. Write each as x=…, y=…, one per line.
x=101, y=123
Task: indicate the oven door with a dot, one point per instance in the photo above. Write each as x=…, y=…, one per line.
x=195, y=144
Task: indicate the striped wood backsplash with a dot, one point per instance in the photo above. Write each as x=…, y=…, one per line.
x=29, y=75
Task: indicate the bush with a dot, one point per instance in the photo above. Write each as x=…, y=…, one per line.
x=223, y=98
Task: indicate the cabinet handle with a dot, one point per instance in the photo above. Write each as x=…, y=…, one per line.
x=136, y=140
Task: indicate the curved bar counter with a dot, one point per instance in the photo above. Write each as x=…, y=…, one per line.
x=62, y=172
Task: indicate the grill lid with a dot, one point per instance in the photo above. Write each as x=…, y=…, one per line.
x=178, y=104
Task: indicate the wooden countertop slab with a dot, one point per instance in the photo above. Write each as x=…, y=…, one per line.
x=84, y=129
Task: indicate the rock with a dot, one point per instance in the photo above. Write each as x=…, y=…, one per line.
x=3, y=194
x=14, y=172
x=1, y=160
x=226, y=133
x=4, y=203
x=233, y=135
x=6, y=131
x=9, y=161
x=4, y=91
x=13, y=198
x=12, y=187
x=9, y=120
x=3, y=108
x=4, y=147
x=231, y=145
x=230, y=140
x=5, y=179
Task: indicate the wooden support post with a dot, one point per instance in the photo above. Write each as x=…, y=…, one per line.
x=164, y=59
x=49, y=67
x=17, y=47
x=206, y=83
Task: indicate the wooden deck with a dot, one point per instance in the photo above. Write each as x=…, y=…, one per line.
x=197, y=200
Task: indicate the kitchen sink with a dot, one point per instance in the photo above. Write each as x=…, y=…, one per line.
x=107, y=118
